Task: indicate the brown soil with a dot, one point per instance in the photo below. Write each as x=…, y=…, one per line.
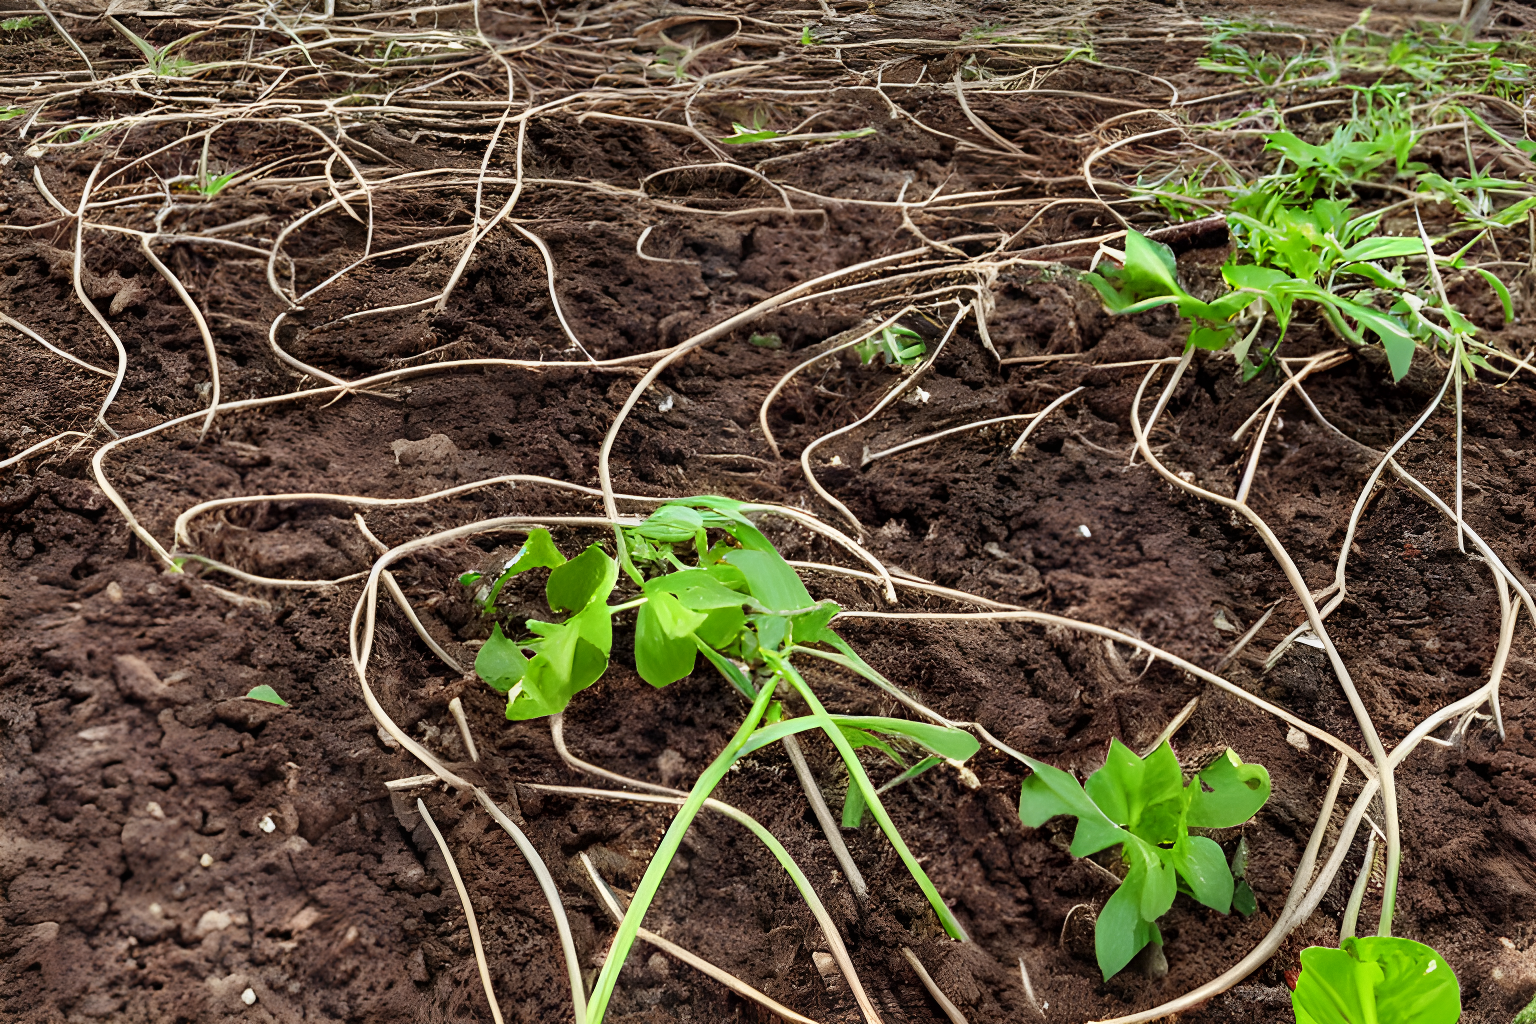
x=126, y=754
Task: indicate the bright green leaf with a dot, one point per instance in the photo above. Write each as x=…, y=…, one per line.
x=671, y=524
x=1378, y=980
x=500, y=662
x=1227, y=793
x=664, y=649
x=590, y=576
x=1203, y=867
x=267, y=694
x=1051, y=792
x=771, y=580
x=955, y=744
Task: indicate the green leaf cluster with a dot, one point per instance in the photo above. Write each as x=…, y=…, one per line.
x=162, y=60
x=1145, y=807
x=568, y=656
x=899, y=346
x=1381, y=980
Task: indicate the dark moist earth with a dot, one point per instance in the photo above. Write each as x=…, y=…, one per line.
x=126, y=756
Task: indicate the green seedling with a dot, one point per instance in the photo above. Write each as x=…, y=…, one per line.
x=163, y=60
x=807, y=36
x=8, y=112
x=1527, y=1015
x=769, y=340
x=1148, y=278
x=31, y=21
x=899, y=346
x=740, y=606
x=1380, y=980
x=741, y=135
x=266, y=694
x=1145, y=807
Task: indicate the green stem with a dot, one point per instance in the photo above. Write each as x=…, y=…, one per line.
x=859, y=777
x=625, y=939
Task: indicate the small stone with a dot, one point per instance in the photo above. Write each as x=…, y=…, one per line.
x=114, y=593
x=154, y=811
x=248, y=997
x=213, y=921
x=155, y=909
x=1298, y=739
x=267, y=824
x=665, y=405
x=1083, y=529
x=206, y=860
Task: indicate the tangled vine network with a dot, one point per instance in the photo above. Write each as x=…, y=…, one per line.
x=341, y=173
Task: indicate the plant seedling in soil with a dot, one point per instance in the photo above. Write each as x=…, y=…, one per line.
x=745, y=610
x=742, y=135
x=1380, y=980
x=900, y=346
x=31, y=21
x=163, y=60
x=266, y=694
x=1145, y=807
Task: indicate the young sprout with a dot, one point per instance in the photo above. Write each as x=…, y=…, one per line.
x=900, y=346
x=1145, y=807
x=266, y=694
x=742, y=607
x=1376, y=979
x=163, y=61
x=22, y=24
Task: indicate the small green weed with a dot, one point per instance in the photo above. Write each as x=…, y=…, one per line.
x=1527, y=1015
x=744, y=609
x=163, y=60
x=23, y=24
x=266, y=694
x=742, y=135
x=900, y=346
x=1145, y=807
x=1376, y=979
x=9, y=112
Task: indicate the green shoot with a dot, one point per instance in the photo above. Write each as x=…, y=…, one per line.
x=8, y=112
x=1527, y=1015
x=900, y=346
x=741, y=606
x=267, y=694
x=807, y=36
x=770, y=340
x=162, y=61
x=1376, y=979
x=1145, y=807
x=741, y=135
x=23, y=24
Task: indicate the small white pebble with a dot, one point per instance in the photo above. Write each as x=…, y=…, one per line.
x=1298, y=739
x=1045, y=1006
x=1085, y=531
x=665, y=405
x=154, y=810
x=248, y=997
x=266, y=824
x=1187, y=476
x=923, y=396
x=206, y=860
x=154, y=908
x=837, y=460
